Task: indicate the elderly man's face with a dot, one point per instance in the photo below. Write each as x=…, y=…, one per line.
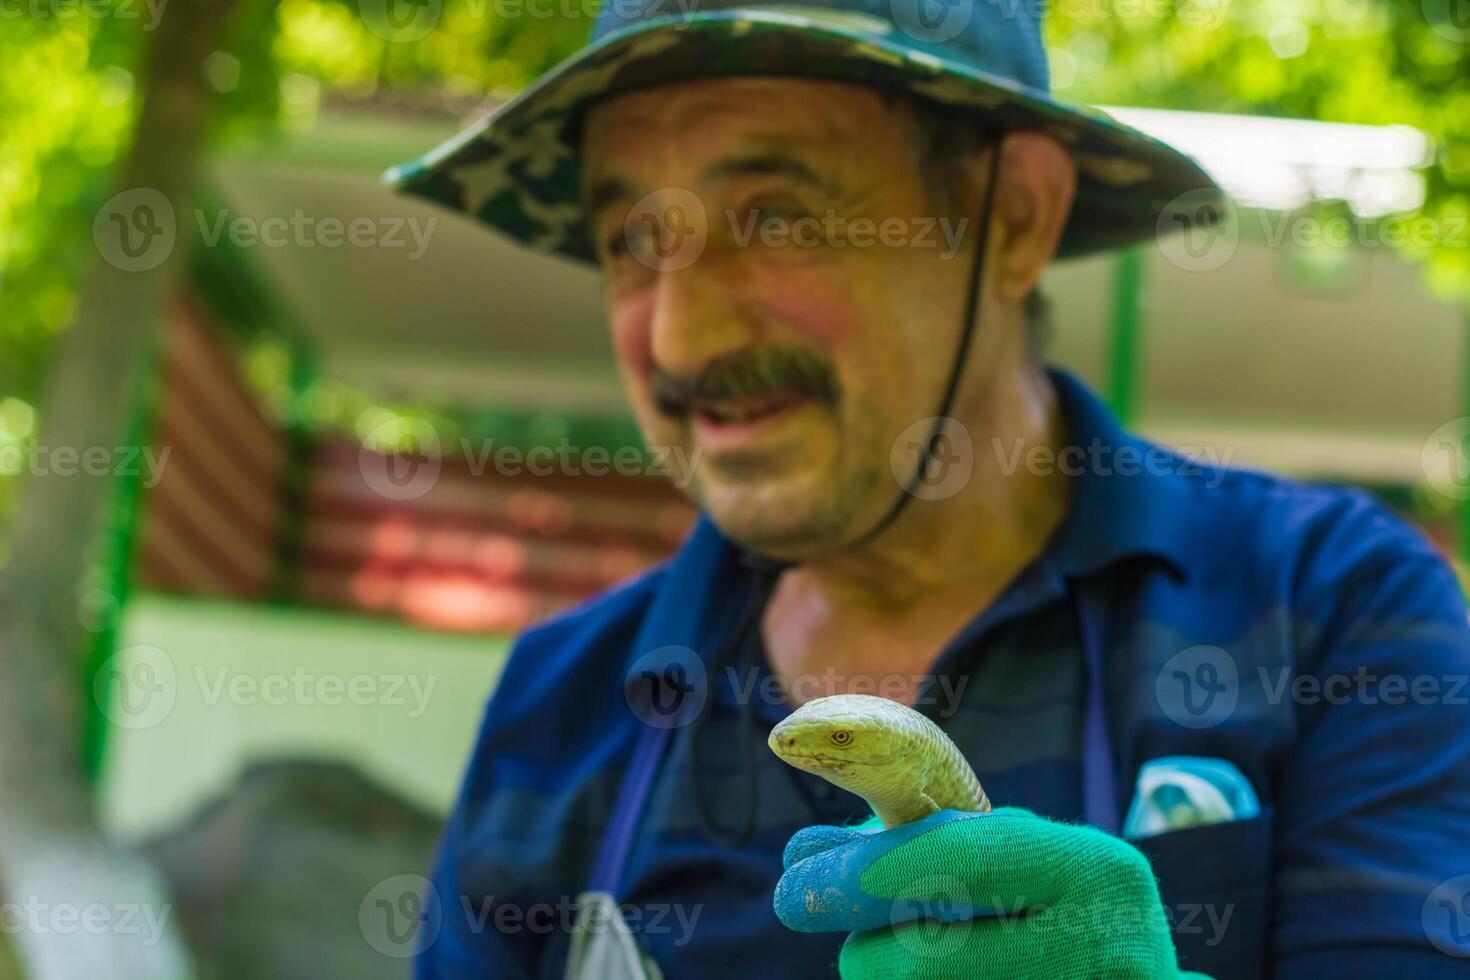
x=810, y=312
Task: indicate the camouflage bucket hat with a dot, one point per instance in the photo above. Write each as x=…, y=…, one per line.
x=518, y=168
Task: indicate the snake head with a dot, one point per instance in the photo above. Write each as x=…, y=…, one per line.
x=838, y=736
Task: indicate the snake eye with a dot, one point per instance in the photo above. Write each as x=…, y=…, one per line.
x=842, y=737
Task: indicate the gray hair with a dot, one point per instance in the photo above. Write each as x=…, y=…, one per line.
x=943, y=145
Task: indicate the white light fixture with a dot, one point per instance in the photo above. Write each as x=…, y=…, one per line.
x=1285, y=164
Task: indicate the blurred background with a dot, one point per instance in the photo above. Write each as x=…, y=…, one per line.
x=286, y=460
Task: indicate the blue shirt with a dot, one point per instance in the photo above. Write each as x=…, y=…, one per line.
x=1300, y=632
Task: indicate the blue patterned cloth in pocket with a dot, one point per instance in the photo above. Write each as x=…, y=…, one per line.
x=1180, y=791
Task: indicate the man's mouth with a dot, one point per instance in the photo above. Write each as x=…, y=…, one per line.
x=745, y=409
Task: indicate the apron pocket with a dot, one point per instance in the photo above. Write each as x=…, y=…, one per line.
x=1215, y=882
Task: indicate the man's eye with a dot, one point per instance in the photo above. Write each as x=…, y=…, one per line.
x=776, y=213
x=615, y=244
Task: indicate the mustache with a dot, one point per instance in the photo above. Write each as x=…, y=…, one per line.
x=771, y=368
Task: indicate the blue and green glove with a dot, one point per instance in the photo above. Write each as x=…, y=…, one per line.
x=958, y=896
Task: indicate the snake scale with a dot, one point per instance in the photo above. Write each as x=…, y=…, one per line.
x=892, y=756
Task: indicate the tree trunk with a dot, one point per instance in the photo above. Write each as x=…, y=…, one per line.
x=54, y=863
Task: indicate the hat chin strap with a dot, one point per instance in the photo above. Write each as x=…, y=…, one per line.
x=968, y=328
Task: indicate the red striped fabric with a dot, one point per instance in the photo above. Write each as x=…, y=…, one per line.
x=210, y=525
x=471, y=548
x=480, y=548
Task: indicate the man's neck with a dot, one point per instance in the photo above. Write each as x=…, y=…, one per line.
x=889, y=606
x=992, y=528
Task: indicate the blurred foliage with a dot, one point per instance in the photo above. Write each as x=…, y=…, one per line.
x=68, y=102
x=1372, y=62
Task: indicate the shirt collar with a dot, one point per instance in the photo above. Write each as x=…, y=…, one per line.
x=1130, y=497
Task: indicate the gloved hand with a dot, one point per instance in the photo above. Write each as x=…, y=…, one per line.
x=958, y=896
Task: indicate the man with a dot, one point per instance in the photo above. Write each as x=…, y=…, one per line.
x=898, y=498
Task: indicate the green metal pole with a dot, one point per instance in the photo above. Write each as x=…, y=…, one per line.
x=1464, y=510
x=115, y=563
x=1124, y=334
x=299, y=441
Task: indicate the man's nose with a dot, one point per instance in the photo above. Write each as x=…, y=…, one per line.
x=697, y=318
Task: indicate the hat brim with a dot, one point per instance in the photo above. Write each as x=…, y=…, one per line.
x=517, y=169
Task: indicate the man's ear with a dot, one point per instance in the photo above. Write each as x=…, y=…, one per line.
x=1038, y=180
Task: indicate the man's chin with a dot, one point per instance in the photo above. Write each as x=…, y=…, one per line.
x=779, y=518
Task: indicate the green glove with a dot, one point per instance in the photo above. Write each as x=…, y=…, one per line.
x=958, y=896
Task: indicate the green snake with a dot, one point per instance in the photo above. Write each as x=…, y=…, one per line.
x=896, y=759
